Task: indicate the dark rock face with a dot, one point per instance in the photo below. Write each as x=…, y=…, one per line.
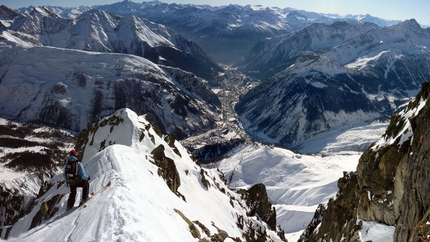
x=211, y=153
x=258, y=201
x=55, y=114
x=41, y=163
x=338, y=220
x=13, y=208
x=412, y=179
x=390, y=185
x=167, y=169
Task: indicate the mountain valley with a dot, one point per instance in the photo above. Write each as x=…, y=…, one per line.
x=228, y=123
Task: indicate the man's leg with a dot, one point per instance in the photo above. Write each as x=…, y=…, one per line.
x=72, y=197
x=85, y=190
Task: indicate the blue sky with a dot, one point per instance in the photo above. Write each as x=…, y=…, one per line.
x=388, y=9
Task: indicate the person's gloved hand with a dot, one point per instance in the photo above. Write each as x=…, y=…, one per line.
x=89, y=178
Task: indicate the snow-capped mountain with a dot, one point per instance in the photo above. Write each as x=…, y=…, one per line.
x=65, y=12
x=71, y=88
x=270, y=57
x=341, y=41
x=235, y=28
x=100, y=31
x=344, y=79
x=157, y=193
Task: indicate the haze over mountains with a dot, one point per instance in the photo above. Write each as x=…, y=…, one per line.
x=223, y=81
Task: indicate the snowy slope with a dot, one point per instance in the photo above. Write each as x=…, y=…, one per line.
x=100, y=31
x=139, y=206
x=298, y=183
x=71, y=88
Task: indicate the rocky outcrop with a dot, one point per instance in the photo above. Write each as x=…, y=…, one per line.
x=167, y=169
x=260, y=205
x=412, y=180
x=390, y=185
x=338, y=220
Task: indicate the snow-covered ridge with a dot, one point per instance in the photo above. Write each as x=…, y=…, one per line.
x=139, y=205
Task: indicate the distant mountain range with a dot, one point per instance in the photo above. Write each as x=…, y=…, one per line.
x=333, y=76
x=226, y=33
x=74, y=84
x=367, y=69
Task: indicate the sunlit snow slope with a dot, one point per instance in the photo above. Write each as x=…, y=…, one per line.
x=297, y=183
x=139, y=206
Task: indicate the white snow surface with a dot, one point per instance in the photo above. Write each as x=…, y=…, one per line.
x=138, y=206
x=374, y=231
x=297, y=183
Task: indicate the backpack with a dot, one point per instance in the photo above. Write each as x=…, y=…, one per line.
x=72, y=176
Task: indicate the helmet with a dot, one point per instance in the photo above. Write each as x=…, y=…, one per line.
x=73, y=152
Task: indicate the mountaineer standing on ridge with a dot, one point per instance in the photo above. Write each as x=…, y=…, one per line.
x=75, y=176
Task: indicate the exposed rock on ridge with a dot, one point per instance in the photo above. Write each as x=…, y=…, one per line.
x=390, y=185
x=172, y=164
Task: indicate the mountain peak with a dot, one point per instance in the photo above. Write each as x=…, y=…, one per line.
x=44, y=12
x=7, y=13
x=409, y=25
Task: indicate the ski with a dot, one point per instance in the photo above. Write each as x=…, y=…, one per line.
x=90, y=196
